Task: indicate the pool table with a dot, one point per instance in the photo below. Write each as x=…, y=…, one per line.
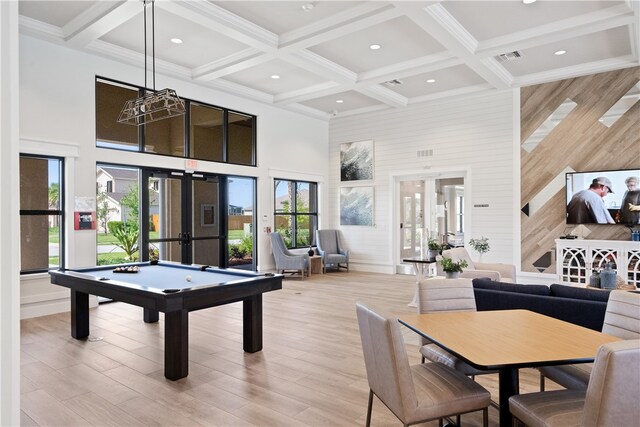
x=174, y=289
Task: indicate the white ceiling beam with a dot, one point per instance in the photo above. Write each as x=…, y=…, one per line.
x=321, y=66
x=98, y=20
x=333, y=27
x=573, y=71
x=577, y=26
x=439, y=23
x=233, y=63
x=310, y=92
x=383, y=94
x=224, y=22
x=409, y=68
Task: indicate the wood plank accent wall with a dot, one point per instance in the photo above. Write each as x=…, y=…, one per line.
x=581, y=142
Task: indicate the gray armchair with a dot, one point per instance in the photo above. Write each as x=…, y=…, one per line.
x=497, y=272
x=333, y=255
x=287, y=261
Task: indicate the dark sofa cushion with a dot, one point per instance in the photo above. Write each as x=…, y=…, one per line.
x=565, y=291
x=589, y=314
x=486, y=283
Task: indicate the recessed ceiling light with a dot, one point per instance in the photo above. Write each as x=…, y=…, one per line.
x=275, y=77
x=308, y=7
x=339, y=101
x=528, y=1
x=176, y=40
x=431, y=81
x=559, y=52
x=375, y=47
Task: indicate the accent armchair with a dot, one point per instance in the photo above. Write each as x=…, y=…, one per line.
x=474, y=270
x=333, y=255
x=286, y=260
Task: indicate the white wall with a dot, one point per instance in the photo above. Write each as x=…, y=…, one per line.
x=474, y=134
x=57, y=87
x=9, y=221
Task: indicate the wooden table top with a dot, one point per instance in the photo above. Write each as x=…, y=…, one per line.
x=508, y=338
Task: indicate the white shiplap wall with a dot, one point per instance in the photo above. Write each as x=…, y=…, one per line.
x=473, y=134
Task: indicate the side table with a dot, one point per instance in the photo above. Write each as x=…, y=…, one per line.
x=316, y=264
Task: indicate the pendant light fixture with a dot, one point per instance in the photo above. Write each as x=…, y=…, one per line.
x=153, y=105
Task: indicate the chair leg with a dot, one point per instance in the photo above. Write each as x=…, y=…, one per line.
x=458, y=420
x=541, y=382
x=369, y=407
x=485, y=417
x=422, y=359
x=440, y=423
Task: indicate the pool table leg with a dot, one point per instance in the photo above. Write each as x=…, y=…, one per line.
x=176, y=344
x=252, y=324
x=79, y=314
x=150, y=316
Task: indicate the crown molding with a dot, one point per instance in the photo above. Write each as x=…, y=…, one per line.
x=233, y=63
x=310, y=92
x=240, y=90
x=98, y=20
x=383, y=94
x=41, y=30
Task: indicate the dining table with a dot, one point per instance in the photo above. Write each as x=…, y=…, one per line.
x=507, y=340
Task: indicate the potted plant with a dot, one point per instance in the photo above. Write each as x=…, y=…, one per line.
x=452, y=269
x=434, y=249
x=480, y=245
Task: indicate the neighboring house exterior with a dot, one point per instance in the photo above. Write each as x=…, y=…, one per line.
x=115, y=183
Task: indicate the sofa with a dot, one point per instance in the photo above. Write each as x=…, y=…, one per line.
x=581, y=306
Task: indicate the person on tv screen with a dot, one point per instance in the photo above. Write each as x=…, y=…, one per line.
x=630, y=210
x=632, y=185
x=587, y=206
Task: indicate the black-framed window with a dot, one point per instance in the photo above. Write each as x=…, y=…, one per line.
x=205, y=132
x=41, y=213
x=296, y=211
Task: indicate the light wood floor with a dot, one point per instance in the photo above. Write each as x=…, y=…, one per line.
x=310, y=372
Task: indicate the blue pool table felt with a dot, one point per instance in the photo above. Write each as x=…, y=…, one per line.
x=164, y=277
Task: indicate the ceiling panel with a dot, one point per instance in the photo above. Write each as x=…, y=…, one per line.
x=603, y=45
x=400, y=38
x=499, y=18
x=59, y=14
x=283, y=16
x=445, y=79
x=291, y=77
x=351, y=100
x=200, y=45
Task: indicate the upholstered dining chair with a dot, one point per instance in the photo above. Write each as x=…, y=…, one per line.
x=286, y=260
x=415, y=393
x=329, y=248
x=494, y=271
x=621, y=319
x=611, y=398
x=438, y=294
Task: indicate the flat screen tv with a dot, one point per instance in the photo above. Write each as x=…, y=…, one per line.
x=588, y=205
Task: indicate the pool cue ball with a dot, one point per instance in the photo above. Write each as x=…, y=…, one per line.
x=188, y=278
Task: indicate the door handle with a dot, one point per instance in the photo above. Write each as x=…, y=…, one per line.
x=184, y=238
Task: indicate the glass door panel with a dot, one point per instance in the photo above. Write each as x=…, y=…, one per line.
x=241, y=222
x=163, y=203
x=205, y=230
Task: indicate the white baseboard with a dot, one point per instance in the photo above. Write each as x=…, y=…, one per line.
x=45, y=308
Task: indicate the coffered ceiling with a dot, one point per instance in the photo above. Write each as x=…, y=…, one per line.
x=320, y=50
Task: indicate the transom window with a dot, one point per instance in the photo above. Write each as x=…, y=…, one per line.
x=205, y=132
x=296, y=211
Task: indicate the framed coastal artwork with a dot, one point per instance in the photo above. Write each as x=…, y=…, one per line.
x=356, y=206
x=356, y=161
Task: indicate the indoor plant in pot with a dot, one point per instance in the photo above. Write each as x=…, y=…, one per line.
x=434, y=249
x=480, y=245
x=452, y=269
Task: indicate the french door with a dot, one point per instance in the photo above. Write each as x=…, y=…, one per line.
x=186, y=218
